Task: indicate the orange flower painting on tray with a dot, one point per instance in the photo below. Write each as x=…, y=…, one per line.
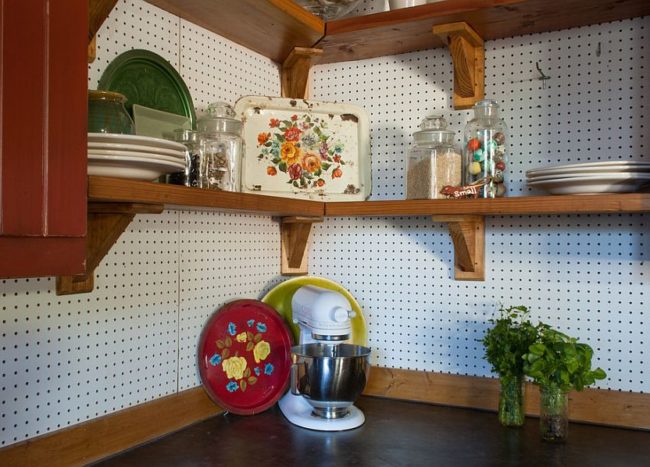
x=301, y=150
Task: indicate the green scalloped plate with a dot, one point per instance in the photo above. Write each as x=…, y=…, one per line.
x=280, y=298
x=147, y=79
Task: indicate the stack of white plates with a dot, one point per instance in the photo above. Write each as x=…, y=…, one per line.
x=132, y=156
x=591, y=177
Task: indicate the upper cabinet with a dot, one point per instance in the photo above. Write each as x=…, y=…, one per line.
x=43, y=102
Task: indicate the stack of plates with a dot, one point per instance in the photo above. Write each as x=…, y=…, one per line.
x=591, y=177
x=132, y=156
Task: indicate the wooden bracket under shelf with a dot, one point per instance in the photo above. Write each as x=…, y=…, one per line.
x=295, y=71
x=468, y=236
x=106, y=222
x=468, y=56
x=295, y=235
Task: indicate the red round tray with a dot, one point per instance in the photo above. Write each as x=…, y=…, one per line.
x=244, y=357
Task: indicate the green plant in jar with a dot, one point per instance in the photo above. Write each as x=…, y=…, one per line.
x=558, y=364
x=505, y=344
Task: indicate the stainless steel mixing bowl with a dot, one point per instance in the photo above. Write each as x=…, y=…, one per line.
x=330, y=377
x=328, y=9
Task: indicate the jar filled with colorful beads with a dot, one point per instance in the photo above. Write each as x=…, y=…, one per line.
x=485, y=150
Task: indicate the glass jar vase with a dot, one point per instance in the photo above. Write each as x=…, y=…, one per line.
x=485, y=150
x=553, y=414
x=107, y=114
x=221, y=148
x=433, y=162
x=511, y=401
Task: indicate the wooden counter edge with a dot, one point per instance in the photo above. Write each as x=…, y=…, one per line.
x=596, y=406
x=114, y=433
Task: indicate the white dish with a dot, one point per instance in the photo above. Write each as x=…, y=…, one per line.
x=304, y=149
x=137, y=155
x=590, y=167
x=607, y=183
x=126, y=160
x=136, y=148
x=134, y=139
x=607, y=173
x=136, y=169
x=156, y=123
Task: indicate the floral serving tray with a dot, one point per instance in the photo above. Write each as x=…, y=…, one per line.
x=300, y=148
x=244, y=357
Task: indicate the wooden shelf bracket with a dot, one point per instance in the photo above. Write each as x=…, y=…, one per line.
x=468, y=236
x=106, y=222
x=295, y=71
x=468, y=56
x=294, y=238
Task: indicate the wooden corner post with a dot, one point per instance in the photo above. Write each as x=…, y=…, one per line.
x=468, y=56
x=294, y=237
x=295, y=71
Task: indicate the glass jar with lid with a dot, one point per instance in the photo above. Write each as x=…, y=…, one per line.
x=221, y=147
x=433, y=162
x=190, y=139
x=485, y=150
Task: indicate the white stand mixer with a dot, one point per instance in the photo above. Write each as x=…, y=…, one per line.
x=323, y=317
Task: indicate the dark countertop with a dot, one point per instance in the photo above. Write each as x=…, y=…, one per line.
x=396, y=433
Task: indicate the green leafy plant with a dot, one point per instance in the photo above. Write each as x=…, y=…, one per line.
x=559, y=361
x=508, y=340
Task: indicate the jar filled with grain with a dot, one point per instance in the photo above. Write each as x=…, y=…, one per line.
x=485, y=147
x=221, y=148
x=433, y=162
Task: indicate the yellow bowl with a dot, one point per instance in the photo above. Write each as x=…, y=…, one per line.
x=280, y=297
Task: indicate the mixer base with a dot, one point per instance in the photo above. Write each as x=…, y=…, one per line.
x=300, y=413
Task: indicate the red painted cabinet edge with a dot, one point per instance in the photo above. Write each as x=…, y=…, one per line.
x=43, y=114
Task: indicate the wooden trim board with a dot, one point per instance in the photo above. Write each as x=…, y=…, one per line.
x=602, y=407
x=111, y=434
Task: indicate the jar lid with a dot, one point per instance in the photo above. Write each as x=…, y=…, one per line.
x=182, y=135
x=486, y=108
x=219, y=118
x=433, y=130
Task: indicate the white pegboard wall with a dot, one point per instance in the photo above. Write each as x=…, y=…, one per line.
x=67, y=359
x=70, y=359
x=584, y=274
x=590, y=109
x=223, y=257
x=213, y=68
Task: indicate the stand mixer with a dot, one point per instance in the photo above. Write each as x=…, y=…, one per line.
x=328, y=373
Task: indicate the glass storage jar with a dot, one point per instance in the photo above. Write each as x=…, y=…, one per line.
x=485, y=150
x=432, y=162
x=221, y=148
x=190, y=139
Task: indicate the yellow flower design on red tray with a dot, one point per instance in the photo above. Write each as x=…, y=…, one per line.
x=234, y=351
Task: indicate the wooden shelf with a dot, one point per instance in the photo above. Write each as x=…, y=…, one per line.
x=523, y=205
x=409, y=29
x=274, y=27
x=116, y=190
x=269, y=27
x=114, y=202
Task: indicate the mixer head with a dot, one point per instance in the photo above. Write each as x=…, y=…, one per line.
x=323, y=315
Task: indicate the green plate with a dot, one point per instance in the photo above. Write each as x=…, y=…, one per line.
x=280, y=298
x=147, y=79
